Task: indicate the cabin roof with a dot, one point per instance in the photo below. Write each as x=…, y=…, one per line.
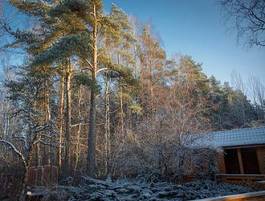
x=237, y=137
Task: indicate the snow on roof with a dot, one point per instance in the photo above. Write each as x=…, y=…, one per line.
x=236, y=137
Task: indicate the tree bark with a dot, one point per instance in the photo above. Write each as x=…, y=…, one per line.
x=48, y=118
x=107, y=125
x=61, y=110
x=77, y=151
x=23, y=193
x=122, y=114
x=67, y=162
x=91, y=163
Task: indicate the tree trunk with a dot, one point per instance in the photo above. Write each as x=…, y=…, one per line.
x=67, y=161
x=77, y=151
x=27, y=162
x=23, y=194
x=91, y=166
x=61, y=110
x=91, y=163
x=107, y=125
x=38, y=152
x=48, y=118
x=122, y=114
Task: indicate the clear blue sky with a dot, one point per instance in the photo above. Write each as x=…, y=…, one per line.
x=197, y=28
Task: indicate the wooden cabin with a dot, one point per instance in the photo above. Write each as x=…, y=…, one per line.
x=242, y=151
x=240, y=155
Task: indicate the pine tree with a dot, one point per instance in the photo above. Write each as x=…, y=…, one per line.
x=88, y=25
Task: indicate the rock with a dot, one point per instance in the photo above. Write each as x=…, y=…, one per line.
x=167, y=194
x=123, y=190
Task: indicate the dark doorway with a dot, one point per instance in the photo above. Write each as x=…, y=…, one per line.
x=250, y=161
x=231, y=161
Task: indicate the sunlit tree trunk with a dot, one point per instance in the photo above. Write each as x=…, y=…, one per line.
x=122, y=114
x=61, y=121
x=67, y=162
x=91, y=163
x=48, y=118
x=38, y=146
x=77, y=151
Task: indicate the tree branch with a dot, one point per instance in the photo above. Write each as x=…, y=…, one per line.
x=10, y=145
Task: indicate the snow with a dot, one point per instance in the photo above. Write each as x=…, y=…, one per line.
x=138, y=190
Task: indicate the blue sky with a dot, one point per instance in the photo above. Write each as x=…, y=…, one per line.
x=197, y=28
x=192, y=27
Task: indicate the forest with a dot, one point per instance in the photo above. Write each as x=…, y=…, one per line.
x=97, y=95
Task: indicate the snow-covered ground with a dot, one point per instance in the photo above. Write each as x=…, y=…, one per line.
x=135, y=190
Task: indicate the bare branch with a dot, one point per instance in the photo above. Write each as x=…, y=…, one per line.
x=12, y=146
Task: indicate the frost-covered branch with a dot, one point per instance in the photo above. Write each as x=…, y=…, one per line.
x=14, y=149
